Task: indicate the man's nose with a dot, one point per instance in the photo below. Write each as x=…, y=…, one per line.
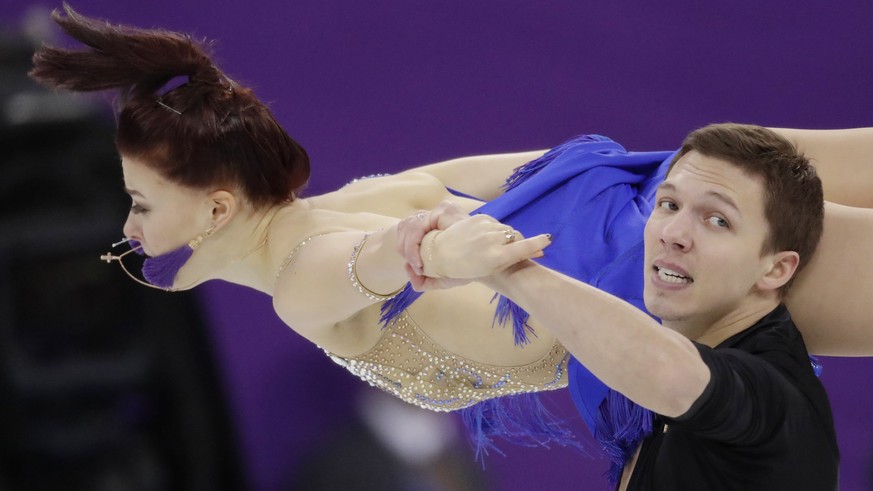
x=676, y=231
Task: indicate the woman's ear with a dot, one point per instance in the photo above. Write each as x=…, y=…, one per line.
x=782, y=267
x=224, y=207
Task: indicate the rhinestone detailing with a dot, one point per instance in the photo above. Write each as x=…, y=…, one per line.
x=409, y=365
x=364, y=178
x=353, y=275
x=291, y=254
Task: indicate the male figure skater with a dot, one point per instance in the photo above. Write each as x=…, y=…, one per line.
x=737, y=402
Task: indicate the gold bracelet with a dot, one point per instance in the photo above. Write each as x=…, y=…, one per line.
x=356, y=282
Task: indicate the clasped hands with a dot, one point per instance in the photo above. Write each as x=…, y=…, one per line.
x=446, y=247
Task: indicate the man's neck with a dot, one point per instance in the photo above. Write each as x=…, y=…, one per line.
x=723, y=327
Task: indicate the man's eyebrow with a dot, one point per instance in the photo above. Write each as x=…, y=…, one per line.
x=724, y=199
x=666, y=186
x=727, y=200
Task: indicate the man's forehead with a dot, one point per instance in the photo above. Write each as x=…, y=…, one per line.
x=711, y=169
x=714, y=178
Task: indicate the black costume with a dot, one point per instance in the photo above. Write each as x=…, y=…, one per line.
x=762, y=423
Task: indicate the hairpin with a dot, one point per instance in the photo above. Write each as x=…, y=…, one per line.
x=159, y=101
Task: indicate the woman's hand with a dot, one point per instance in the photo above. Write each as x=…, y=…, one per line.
x=411, y=231
x=446, y=247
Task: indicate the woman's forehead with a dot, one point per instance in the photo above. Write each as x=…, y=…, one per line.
x=143, y=181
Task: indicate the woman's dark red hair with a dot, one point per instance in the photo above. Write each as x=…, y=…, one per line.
x=208, y=132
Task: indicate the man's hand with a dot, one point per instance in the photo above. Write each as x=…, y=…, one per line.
x=411, y=231
x=446, y=247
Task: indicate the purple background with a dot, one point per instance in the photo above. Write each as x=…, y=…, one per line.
x=378, y=86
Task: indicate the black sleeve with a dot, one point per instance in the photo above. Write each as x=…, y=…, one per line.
x=745, y=402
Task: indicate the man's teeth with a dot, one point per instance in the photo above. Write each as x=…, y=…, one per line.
x=670, y=276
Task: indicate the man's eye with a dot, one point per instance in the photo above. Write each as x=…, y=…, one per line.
x=719, y=222
x=668, y=205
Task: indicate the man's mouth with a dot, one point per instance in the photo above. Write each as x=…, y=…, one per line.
x=670, y=276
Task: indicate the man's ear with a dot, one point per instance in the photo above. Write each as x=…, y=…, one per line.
x=782, y=266
x=224, y=207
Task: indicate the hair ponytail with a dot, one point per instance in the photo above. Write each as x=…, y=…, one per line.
x=206, y=132
x=120, y=56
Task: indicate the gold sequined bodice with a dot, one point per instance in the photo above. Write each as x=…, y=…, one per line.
x=408, y=364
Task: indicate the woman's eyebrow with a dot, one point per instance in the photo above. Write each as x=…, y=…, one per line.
x=133, y=192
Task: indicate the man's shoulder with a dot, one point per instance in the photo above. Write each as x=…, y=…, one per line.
x=771, y=344
x=774, y=331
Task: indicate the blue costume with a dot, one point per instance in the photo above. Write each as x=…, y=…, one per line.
x=594, y=197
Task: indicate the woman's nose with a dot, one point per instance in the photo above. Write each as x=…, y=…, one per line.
x=130, y=229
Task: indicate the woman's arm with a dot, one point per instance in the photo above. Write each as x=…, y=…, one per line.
x=323, y=284
x=480, y=176
x=335, y=273
x=843, y=159
x=830, y=300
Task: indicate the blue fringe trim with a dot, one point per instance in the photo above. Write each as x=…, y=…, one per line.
x=133, y=245
x=394, y=307
x=520, y=419
x=161, y=270
x=509, y=310
x=621, y=426
x=506, y=310
x=526, y=171
x=817, y=368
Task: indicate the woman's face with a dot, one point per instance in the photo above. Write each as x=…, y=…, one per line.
x=163, y=215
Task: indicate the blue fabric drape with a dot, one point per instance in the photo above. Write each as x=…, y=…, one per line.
x=594, y=197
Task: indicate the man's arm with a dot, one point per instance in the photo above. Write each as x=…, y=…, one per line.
x=653, y=366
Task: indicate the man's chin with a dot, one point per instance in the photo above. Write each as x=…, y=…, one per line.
x=665, y=311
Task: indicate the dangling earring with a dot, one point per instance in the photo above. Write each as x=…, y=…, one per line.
x=161, y=270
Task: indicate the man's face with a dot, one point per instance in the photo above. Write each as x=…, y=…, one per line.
x=703, y=245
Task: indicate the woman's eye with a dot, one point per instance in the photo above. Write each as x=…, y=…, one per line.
x=137, y=209
x=718, y=222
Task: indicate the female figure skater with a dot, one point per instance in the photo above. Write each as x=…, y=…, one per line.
x=215, y=185
x=215, y=182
